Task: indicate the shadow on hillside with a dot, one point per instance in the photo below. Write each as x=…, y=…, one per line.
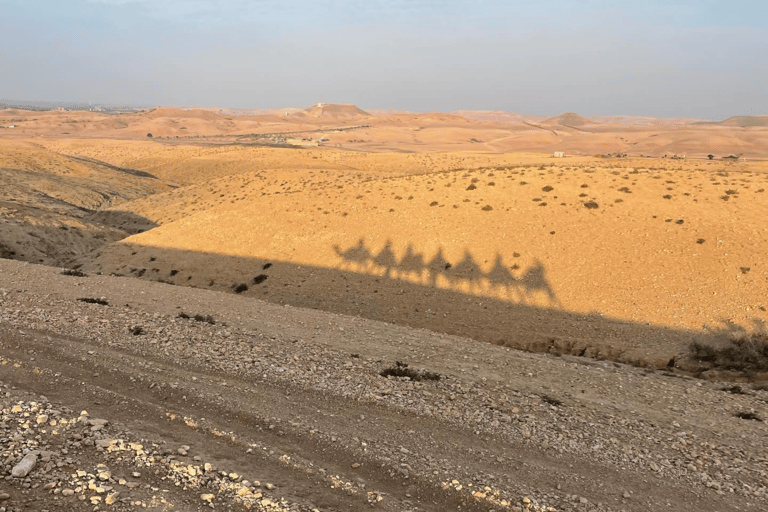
x=501, y=281
x=62, y=237
x=389, y=298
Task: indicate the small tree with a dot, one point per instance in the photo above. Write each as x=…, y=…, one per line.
x=149, y=135
x=711, y=157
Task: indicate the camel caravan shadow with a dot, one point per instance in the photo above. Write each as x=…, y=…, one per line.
x=529, y=286
x=417, y=291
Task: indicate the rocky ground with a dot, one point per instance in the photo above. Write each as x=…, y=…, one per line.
x=127, y=405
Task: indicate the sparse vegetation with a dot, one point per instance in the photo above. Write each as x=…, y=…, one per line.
x=401, y=370
x=747, y=354
x=198, y=318
x=74, y=273
x=551, y=401
x=240, y=288
x=260, y=278
x=591, y=205
x=748, y=416
x=101, y=301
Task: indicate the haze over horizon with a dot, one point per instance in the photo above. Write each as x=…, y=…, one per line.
x=703, y=59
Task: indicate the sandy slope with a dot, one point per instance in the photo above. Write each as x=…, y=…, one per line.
x=276, y=408
x=671, y=244
x=411, y=238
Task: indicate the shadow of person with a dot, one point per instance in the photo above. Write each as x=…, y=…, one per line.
x=411, y=263
x=358, y=255
x=500, y=277
x=387, y=259
x=437, y=266
x=535, y=280
x=467, y=269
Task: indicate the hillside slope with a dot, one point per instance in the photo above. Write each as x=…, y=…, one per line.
x=495, y=251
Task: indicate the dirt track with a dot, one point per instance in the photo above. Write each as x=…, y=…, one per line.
x=293, y=398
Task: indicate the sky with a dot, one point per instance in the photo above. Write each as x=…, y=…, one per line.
x=675, y=58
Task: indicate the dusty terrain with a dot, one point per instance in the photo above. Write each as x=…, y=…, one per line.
x=444, y=242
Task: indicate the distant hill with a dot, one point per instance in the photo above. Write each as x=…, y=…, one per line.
x=567, y=119
x=489, y=115
x=333, y=110
x=642, y=120
x=742, y=121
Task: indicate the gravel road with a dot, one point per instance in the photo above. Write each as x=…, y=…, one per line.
x=126, y=406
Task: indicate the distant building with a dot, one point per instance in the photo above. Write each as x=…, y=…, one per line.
x=732, y=158
x=558, y=154
x=11, y=126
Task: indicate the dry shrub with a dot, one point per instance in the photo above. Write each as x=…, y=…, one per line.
x=746, y=354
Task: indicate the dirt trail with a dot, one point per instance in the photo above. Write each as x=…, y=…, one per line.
x=293, y=399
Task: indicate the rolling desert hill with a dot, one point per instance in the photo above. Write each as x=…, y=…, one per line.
x=401, y=312
x=420, y=215
x=53, y=206
x=326, y=111
x=567, y=119
x=497, y=248
x=745, y=121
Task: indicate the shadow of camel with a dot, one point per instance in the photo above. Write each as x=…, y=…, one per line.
x=499, y=280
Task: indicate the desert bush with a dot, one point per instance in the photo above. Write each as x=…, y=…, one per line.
x=591, y=205
x=240, y=288
x=748, y=416
x=260, y=278
x=136, y=331
x=551, y=401
x=746, y=354
x=205, y=318
x=74, y=273
x=101, y=302
x=198, y=318
x=401, y=369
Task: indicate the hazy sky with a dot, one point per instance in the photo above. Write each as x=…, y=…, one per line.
x=673, y=58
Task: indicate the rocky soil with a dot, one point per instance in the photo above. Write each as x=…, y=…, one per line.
x=126, y=405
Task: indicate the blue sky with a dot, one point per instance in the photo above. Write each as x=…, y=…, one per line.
x=703, y=58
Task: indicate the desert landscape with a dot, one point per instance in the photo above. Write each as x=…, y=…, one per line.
x=340, y=308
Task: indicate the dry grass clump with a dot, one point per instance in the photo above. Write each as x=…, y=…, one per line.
x=199, y=318
x=746, y=354
x=74, y=273
x=401, y=370
x=88, y=300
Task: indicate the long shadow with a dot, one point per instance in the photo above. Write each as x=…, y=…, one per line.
x=126, y=170
x=379, y=296
x=63, y=236
x=465, y=275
